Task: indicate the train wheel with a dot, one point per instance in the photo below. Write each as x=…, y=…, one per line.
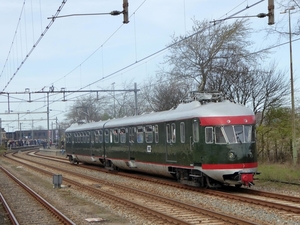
x=115, y=167
x=178, y=176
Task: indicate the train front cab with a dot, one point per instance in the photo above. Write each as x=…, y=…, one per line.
x=229, y=150
x=221, y=154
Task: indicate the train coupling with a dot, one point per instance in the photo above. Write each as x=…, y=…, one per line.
x=247, y=179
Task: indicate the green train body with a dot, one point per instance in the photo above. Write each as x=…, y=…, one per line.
x=208, y=143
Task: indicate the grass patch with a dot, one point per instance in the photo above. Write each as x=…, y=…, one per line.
x=2, y=150
x=279, y=172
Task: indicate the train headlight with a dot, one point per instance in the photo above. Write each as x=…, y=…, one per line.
x=250, y=155
x=231, y=155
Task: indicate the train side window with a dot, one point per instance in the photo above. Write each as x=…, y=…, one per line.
x=100, y=136
x=208, y=135
x=132, y=131
x=156, y=134
x=168, y=133
x=88, y=136
x=140, y=134
x=182, y=132
x=96, y=134
x=122, y=135
x=196, y=131
x=111, y=136
x=81, y=137
x=116, y=135
x=106, y=136
x=173, y=133
x=149, y=133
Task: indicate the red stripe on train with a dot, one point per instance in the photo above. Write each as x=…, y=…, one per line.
x=229, y=166
x=227, y=120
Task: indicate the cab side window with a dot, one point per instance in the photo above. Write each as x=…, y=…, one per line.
x=208, y=135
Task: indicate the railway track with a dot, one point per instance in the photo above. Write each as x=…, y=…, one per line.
x=160, y=210
x=272, y=200
x=26, y=206
x=284, y=203
x=7, y=217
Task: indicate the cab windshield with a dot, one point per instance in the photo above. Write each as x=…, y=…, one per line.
x=234, y=134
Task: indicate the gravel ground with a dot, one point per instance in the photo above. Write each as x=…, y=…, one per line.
x=78, y=207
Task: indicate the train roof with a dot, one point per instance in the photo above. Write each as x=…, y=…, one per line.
x=183, y=111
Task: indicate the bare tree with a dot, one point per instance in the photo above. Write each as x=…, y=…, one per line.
x=211, y=52
x=165, y=93
x=217, y=58
x=270, y=89
x=87, y=108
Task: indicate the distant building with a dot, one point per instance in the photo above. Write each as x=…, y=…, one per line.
x=35, y=134
x=3, y=136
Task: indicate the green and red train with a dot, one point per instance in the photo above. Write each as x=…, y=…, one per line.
x=207, y=141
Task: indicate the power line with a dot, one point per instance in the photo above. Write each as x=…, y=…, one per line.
x=149, y=56
x=97, y=49
x=13, y=41
x=156, y=53
x=35, y=44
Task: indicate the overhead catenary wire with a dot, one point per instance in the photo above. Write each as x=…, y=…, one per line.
x=13, y=40
x=34, y=45
x=149, y=56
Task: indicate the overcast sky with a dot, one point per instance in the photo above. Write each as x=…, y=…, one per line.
x=92, y=52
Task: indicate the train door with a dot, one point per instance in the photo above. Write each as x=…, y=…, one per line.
x=170, y=131
x=131, y=142
x=124, y=133
x=194, y=141
x=69, y=145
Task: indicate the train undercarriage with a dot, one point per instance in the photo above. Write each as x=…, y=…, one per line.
x=190, y=177
x=194, y=178
x=197, y=178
